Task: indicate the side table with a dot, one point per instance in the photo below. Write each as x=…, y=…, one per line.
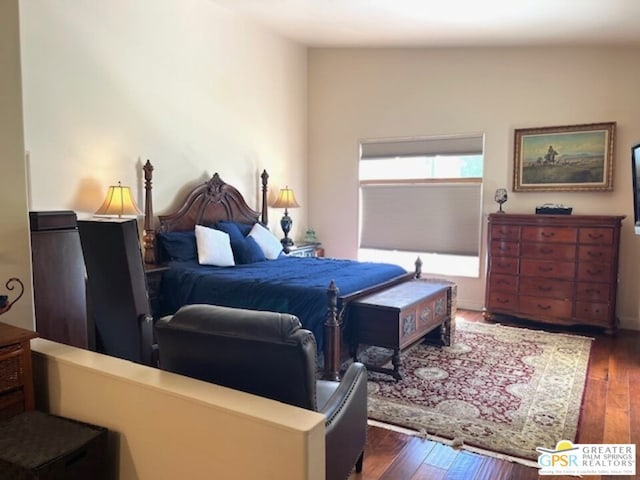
x=16, y=378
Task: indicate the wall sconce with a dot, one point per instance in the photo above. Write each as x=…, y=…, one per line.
x=5, y=304
x=286, y=199
x=118, y=201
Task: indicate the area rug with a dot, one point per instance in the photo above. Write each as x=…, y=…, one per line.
x=499, y=389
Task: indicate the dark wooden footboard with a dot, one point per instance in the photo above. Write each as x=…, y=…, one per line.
x=337, y=315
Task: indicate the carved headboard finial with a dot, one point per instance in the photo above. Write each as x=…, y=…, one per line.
x=149, y=236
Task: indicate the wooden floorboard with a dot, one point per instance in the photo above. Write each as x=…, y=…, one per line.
x=610, y=414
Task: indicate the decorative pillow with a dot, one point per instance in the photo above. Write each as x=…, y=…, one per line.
x=244, y=228
x=249, y=251
x=214, y=247
x=269, y=244
x=245, y=249
x=178, y=245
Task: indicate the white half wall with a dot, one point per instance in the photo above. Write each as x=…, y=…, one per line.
x=167, y=426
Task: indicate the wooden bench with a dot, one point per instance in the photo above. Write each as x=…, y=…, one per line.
x=402, y=315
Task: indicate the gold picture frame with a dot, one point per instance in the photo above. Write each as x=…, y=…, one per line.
x=570, y=158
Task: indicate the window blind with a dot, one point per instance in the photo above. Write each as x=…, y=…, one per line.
x=423, y=217
x=445, y=145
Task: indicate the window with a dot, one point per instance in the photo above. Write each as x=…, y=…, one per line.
x=422, y=197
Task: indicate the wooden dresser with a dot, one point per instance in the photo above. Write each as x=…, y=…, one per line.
x=560, y=269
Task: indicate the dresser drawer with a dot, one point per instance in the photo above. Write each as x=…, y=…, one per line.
x=504, y=283
x=504, y=265
x=596, y=235
x=11, y=368
x=504, y=248
x=547, y=269
x=594, y=272
x=503, y=301
x=505, y=232
x=546, y=287
x=593, y=292
x=595, y=313
x=595, y=253
x=549, y=251
x=537, y=306
x=550, y=234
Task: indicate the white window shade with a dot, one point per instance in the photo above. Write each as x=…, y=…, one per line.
x=445, y=145
x=423, y=217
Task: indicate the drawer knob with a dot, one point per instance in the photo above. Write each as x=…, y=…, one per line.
x=592, y=290
x=544, y=307
x=594, y=272
x=594, y=236
x=545, y=269
x=594, y=254
x=502, y=300
x=546, y=250
x=548, y=234
x=543, y=288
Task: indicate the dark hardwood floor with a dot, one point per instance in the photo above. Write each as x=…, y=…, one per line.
x=610, y=414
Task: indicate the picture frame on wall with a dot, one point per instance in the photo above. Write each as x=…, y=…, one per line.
x=567, y=158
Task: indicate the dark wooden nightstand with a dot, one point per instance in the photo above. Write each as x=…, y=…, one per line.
x=306, y=249
x=154, y=282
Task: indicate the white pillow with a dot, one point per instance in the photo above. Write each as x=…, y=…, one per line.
x=214, y=247
x=267, y=241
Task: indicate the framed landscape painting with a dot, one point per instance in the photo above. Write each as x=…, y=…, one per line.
x=570, y=158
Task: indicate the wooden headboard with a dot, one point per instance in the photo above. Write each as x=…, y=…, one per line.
x=208, y=203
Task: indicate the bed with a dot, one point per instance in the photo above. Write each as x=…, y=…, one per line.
x=316, y=290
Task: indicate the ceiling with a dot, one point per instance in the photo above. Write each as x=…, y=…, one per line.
x=445, y=23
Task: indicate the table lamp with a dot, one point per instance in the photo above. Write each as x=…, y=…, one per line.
x=118, y=201
x=286, y=199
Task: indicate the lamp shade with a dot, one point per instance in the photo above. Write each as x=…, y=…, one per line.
x=118, y=201
x=286, y=199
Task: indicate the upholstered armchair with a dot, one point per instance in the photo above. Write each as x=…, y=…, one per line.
x=270, y=355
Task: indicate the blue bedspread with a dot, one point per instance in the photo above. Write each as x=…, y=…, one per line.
x=290, y=285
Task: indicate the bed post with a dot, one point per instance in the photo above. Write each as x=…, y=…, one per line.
x=332, y=336
x=149, y=237
x=265, y=214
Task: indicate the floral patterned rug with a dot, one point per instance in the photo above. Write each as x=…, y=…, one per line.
x=501, y=389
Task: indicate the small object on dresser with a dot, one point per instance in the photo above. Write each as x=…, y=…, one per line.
x=500, y=197
x=310, y=235
x=553, y=209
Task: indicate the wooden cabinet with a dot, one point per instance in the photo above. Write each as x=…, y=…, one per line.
x=16, y=380
x=554, y=268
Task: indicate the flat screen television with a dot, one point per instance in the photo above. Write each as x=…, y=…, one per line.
x=635, y=174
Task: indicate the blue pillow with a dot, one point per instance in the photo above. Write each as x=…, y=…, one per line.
x=179, y=246
x=249, y=251
x=244, y=228
x=245, y=249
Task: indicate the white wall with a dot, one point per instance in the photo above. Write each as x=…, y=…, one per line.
x=15, y=255
x=187, y=84
x=357, y=94
x=166, y=426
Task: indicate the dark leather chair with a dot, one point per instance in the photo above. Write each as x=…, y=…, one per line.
x=270, y=355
